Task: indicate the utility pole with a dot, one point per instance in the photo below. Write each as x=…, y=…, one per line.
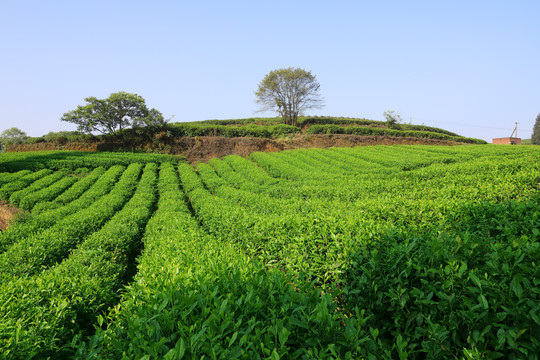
x=515, y=130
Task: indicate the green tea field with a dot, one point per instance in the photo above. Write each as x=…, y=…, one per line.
x=375, y=252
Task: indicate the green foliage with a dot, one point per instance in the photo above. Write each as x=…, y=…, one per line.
x=45, y=312
x=305, y=121
x=459, y=290
x=289, y=91
x=535, y=138
x=77, y=198
x=107, y=116
x=73, y=160
x=12, y=136
x=410, y=252
x=28, y=191
x=68, y=136
x=21, y=183
x=248, y=121
x=179, y=129
x=42, y=250
x=62, y=137
x=7, y=177
x=315, y=120
x=426, y=128
x=229, y=306
x=376, y=131
x=393, y=119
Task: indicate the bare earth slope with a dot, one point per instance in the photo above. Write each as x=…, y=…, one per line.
x=203, y=148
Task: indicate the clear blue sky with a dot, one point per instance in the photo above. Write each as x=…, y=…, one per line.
x=472, y=67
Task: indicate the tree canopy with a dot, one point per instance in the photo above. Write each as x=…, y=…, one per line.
x=12, y=136
x=110, y=116
x=290, y=92
x=393, y=119
x=535, y=138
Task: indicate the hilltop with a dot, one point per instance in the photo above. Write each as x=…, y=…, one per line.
x=202, y=140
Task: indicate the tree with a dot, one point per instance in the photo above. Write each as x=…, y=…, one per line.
x=290, y=92
x=110, y=116
x=392, y=119
x=535, y=138
x=12, y=136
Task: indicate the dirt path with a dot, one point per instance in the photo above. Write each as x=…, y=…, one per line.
x=7, y=213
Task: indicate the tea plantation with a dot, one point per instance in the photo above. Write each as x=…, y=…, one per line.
x=381, y=252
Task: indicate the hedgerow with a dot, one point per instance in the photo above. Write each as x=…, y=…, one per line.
x=378, y=131
x=267, y=131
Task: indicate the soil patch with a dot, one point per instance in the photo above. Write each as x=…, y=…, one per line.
x=8, y=213
x=206, y=147
x=203, y=148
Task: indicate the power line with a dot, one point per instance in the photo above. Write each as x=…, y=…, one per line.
x=478, y=126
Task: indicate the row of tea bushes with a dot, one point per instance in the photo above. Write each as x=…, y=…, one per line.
x=41, y=250
x=73, y=160
x=377, y=131
x=43, y=313
x=210, y=301
x=71, y=194
x=22, y=182
x=55, y=212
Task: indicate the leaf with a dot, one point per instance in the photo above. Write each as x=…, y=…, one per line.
x=275, y=355
x=374, y=333
x=462, y=269
x=180, y=348
x=515, y=286
x=233, y=338
x=475, y=280
x=519, y=333
x=163, y=304
x=223, y=306
x=483, y=301
x=283, y=335
x=195, y=338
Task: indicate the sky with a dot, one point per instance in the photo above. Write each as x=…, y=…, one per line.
x=471, y=67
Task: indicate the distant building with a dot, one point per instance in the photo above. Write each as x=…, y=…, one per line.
x=507, y=141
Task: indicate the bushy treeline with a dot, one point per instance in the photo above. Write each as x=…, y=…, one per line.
x=62, y=137
x=375, y=131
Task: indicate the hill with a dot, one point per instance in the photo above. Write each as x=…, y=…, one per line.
x=213, y=138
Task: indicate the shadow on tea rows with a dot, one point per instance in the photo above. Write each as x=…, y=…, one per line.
x=469, y=286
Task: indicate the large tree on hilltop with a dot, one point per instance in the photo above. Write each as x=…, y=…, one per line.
x=535, y=138
x=110, y=116
x=290, y=92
